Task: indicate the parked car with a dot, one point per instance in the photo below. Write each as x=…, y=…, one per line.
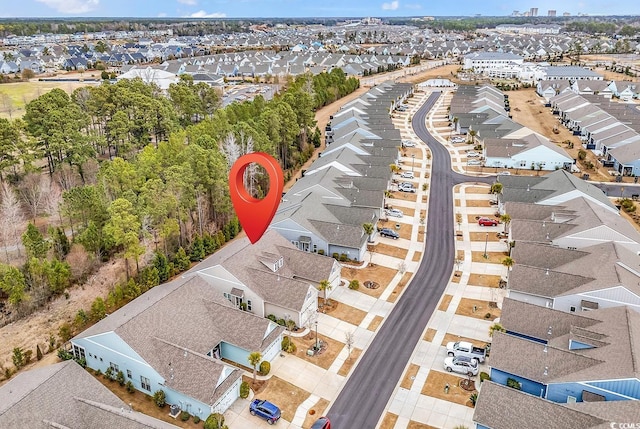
x=466, y=349
x=458, y=140
x=408, y=143
x=472, y=154
x=485, y=221
x=461, y=365
x=386, y=232
x=406, y=187
x=322, y=423
x=407, y=175
x=265, y=409
x=474, y=162
x=504, y=173
x=394, y=212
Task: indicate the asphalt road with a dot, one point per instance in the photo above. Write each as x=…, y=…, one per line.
x=364, y=397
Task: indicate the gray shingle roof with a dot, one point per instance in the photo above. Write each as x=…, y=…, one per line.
x=66, y=395
x=501, y=407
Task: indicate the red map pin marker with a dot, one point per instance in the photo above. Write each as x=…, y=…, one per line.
x=254, y=214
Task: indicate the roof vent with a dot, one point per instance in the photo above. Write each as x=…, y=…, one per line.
x=547, y=272
x=546, y=370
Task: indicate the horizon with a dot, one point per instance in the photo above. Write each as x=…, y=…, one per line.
x=295, y=9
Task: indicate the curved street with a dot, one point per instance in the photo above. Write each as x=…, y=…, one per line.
x=366, y=393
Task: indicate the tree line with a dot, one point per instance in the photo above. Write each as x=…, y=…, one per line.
x=123, y=170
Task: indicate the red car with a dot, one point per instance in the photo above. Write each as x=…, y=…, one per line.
x=322, y=423
x=485, y=221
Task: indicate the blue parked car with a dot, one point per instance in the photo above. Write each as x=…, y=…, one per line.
x=265, y=409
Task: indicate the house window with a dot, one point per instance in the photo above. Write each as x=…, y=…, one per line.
x=572, y=309
x=78, y=352
x=114, y=367
x=128, y=373
x=248, y=305
x=145, y=383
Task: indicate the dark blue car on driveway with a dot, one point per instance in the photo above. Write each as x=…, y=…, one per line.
x=265, y=409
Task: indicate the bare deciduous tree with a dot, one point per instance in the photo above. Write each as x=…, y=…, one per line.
x=349, y=340
x=11, y=220
x=33, y=190
x=52, y=202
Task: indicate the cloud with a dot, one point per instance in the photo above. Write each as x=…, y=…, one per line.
x=188, y=2
x=203, y=14
x=391, y=6
x=72, y=7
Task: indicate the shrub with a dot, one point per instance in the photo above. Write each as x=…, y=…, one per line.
x=344, y=257
x=487, y=316
x=27, y=356
x=38, y=352
x=291, y=325
x=582, y=154
x=513, y=383
x=160, y=398
x=215, y=421
x=244, y=390
x=287, y=345
x=484, y=376
x=196, y=419
x=281, y=322
x=354, y=284
x=120, y=378
x=184, y=416
x=265, y=367
x=65, y=332
x=108, y=374
x=272, y=317
x=18, y=357
x=64, y=354
x=335, y=255
x=129, y=386
x=320, y=251
x=473, y=398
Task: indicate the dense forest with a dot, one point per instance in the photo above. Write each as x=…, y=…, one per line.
x=123, y=171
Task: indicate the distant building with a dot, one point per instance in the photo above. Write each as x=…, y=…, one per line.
x=551, y=12
x=566, y=14
x=533, y=11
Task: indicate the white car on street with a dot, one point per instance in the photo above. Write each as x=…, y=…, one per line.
x=472, y=154
x=474, y=162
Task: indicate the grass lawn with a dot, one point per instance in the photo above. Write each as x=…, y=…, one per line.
x=416, y=256
x=377, y=320
x=286, y=395
x=342, y=311
x=379, y=274
x=481, y=236
x=386, y=249
x=477, y=189
x=418, y=425
x=21, y=93
x=486, y=280
x=482, y=309
x=444, y=304
x=349, y=362
x=478, y=203
x=428, y=336
x=397, y=290
x=389, y=421
x=325, y=358
x=492, y=257
x=435, y=384
x=404, y=231
x=409, y=376
x=317, y=410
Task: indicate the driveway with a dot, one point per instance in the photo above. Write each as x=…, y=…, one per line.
x=366, y=393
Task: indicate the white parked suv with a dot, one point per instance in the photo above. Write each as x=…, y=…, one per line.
x=406, y=187
x=394, y=213
x=472, y=154
x=407, y=175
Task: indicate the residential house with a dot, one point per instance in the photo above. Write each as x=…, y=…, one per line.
x=64, y=395
x=530, y=152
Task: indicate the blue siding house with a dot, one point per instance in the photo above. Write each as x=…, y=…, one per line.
x=173, y=339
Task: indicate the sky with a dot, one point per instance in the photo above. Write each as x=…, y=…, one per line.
x=303, y=8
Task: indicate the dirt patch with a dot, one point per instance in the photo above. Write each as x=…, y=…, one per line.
x=379, y=274
x=328, y=353
x=373, y=326
x=457, y=202
x=404, y=196
x=478, y=309
x=485, y=280
x=318, y=409
x=409, y=376
x=349, y=362
x=477, y=190
x=492, y=257
x=478, y=203
x=386, y=249
x=286, y=395
x=398, y=289
x=444, y=303
x=342, y=311
x=417, y=425
x=436, y=383
x=460, y=255
x=421, y=232
x=416, y=256
x=452, y=337
x=481, y=236
x=389, y=421
x=429, y=335
x=144, y=403
x=633, y=218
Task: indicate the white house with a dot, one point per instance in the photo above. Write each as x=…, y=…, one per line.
x=530, y=152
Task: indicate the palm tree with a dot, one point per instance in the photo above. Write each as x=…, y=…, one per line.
x=508, y=262
x=325, y=286
x=394, y=168
x=254, y=359
x=368, y=229
x=505, y=219
x=496, y=188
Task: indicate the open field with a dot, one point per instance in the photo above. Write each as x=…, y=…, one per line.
x=20, y=93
